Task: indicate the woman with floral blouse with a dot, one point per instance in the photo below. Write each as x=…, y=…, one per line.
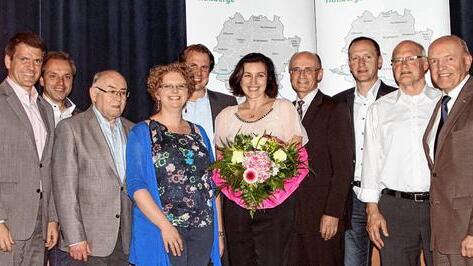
x=174, y=217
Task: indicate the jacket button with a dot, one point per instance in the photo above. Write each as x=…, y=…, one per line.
x=40, y=165
x=38, y=190
x=121, y=188
x=434, y=174
x=117, y=216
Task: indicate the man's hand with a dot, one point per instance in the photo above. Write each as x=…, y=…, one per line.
x=221, y=244
x=375, y=222
x=172, y=240
x=80, y=251
x=6, y=241
x=467, y=246
x=52, y=235
x=328, y=226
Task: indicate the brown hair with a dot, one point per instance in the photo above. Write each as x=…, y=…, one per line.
x=271, y=83
x=29, y=38
x=157, y=73
x=59, y=56
x=199, y=48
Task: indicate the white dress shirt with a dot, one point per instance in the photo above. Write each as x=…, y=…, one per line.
x=453, y=98
x=199, y=112
x=307, y=100
x=393, y=156
x=360, y=109
x=58, y=114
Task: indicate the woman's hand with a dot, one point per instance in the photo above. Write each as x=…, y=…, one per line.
x=172, y=240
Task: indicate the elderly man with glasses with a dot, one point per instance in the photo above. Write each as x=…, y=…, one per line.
x=395, y=179
x=89, y=176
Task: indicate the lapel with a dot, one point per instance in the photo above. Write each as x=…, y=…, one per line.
x=17, y=107
x=214, y=108
x=313, y=110
x=44, y=115
x=463, y=100
x=383, y=90
x=99, y=136
x=425, y=138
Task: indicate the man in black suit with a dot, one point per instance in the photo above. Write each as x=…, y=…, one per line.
x=321, y=198
x=204, y=105
x=365, y=60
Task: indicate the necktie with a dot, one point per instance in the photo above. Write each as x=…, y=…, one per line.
x=299, y=108
x=443, y=118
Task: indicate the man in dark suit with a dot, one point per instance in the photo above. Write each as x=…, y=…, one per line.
x=449, y=150
x=364, y=57
x=204, y=105
x=89, y=176
x=321, y=197
x=27, y=213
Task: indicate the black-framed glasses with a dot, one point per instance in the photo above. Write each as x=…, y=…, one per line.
x=408, y=59
x=119, y=93
x=306, y=70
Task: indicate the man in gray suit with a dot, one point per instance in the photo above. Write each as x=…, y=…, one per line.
x=27, y=213
x=89, y=176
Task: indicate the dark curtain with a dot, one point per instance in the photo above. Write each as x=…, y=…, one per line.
x=129, y=36
x=461, y=21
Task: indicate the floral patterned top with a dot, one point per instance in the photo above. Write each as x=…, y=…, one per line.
x=184, y=183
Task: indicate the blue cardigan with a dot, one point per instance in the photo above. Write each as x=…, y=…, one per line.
x=147, y=247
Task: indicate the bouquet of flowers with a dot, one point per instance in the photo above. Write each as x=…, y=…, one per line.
x=259, y=172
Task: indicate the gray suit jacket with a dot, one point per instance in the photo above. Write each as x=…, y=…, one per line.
x=451, y=189
x=20, y=167
x=92, y=202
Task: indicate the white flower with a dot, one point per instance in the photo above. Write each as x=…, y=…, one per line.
x=258, y=141
x=274, y=170
x=237, y=157
x=280, y=155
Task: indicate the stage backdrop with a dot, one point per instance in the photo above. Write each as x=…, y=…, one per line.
x=132, y=36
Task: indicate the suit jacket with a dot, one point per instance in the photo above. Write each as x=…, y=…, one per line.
x=326, y=188
x=348, y=97
x=21, y=170
x=451, y=186
x=218, y=102
x=92, y=202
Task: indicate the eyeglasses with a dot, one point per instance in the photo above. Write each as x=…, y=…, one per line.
x=179, y=87
x=408, y=59
x=119, y=93
x=306, y=70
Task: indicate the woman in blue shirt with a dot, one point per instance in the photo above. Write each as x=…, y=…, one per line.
x=174, y=215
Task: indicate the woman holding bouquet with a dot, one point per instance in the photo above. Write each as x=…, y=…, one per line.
x=174, y=215
x=261, y=239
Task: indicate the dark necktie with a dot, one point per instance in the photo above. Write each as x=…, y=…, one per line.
x=443, y=118
x=299, y=108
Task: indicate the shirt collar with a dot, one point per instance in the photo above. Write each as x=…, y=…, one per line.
x=103, y=121
x=201, y=99
x=428, y=93
x=23, y=95
x=70, y=106
x=309, y=97
x=372, y=92
x=456, y=91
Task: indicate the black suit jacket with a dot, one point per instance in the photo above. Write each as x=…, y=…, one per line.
x=218, y=102
x=326, y=188
x=348, y=97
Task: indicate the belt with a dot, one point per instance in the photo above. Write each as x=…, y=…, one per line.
x=416, y=196
x=356, y=183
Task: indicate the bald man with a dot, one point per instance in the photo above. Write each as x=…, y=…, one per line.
x=89, y=176
x=448, y=144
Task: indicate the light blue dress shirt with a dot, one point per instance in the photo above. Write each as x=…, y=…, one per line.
x=116, y=142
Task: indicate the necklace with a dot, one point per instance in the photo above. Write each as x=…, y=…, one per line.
x=251, y=116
